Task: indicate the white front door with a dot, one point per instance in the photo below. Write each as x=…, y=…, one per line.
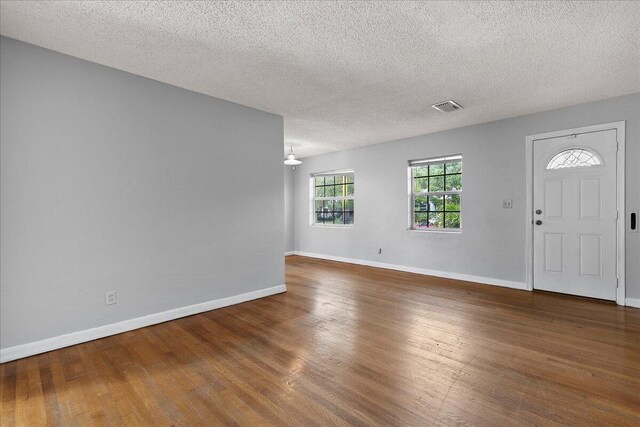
x=575, y=213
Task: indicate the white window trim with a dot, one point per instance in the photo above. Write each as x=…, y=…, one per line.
x=412, y=195
x=313, y=198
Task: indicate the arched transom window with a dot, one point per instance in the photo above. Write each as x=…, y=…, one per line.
x=574, y=158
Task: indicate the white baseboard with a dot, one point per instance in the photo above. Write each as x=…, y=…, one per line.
x=427, y=272
x=632, y=302
x=42, y=346
x=289, y=253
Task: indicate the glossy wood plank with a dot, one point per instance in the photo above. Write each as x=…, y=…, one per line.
x=349, y=345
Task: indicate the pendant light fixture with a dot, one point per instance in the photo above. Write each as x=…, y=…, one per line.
x=291, y=159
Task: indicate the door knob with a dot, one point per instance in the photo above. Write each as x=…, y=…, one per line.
x=538, y=222
x=538, y=212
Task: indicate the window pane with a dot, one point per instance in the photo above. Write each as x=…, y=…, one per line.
x=420, y=171
x=319, y=205
x=420, y=184
x=421, y=220
x=436, y=169
x=453, y=182
x=349, y=178
x=319, y=191
x=454, y=167
x=349, y=190
x=436, y=183
x=338, y=179
x=329, y=191
x=326, y=212
x=339, y=190
x=348, y=205
x=436, y=203
x=319, y=180
x=452, y=220
x=328, y=180
x=337, y=205
x=348, y=217
x=452, y=202
x=421, y=204
x=435, y=219
x=338, y=218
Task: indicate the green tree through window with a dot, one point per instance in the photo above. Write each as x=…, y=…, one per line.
x=436, y=192
x=333, y=198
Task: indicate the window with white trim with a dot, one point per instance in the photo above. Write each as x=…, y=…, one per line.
x=435, y=193
x=332, y=198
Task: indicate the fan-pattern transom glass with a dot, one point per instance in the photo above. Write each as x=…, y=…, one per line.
x=574, y=158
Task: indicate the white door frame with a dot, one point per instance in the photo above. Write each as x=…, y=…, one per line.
x=620, y=180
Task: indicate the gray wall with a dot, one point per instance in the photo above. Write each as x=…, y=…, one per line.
x=288, y=208
x=492, y=243
x=111, y=181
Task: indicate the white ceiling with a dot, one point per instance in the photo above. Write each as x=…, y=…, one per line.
x=345, y=74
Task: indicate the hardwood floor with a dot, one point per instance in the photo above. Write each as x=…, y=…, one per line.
x=346, y=345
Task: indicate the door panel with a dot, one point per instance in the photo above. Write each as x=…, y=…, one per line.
x=590, y=255
x=553, y=252
x=575, y=232
x=553, y=198
x=590, y=200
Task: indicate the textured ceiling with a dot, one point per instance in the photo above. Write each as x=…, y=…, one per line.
x=345, y=74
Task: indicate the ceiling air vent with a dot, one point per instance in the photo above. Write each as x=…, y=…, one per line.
x=447, y=106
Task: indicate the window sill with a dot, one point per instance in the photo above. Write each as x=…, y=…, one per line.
x=331, y=226
x=438, y=230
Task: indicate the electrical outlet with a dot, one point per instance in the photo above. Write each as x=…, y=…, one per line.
x=507, y=204
x=379, y=251
x=110, y=298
